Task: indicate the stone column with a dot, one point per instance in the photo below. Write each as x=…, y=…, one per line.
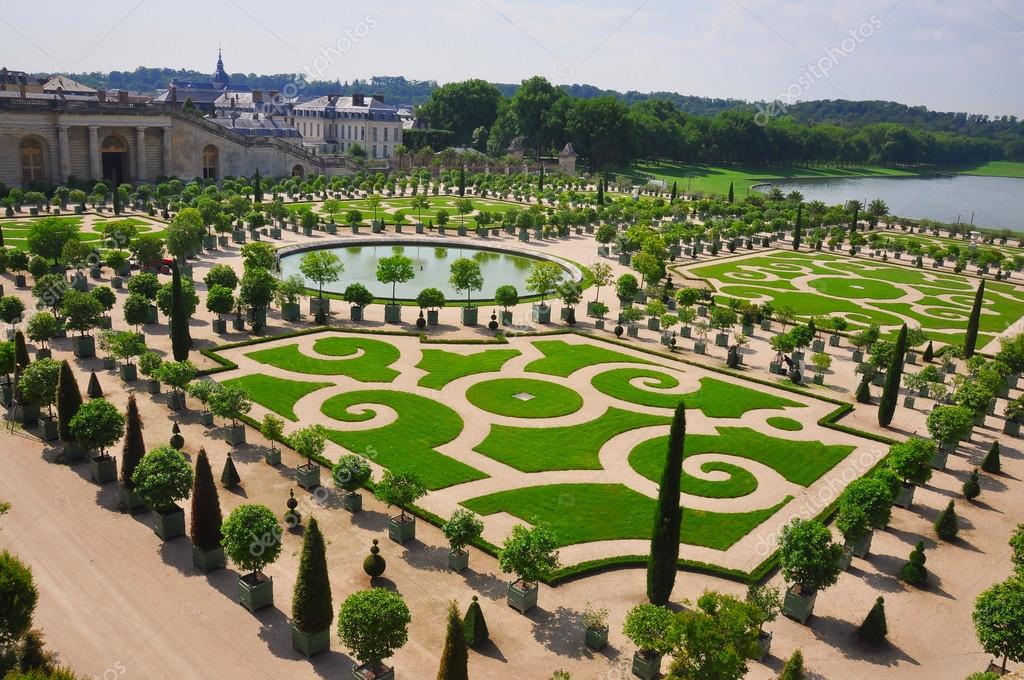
x=166, y=149
x=141, y=174
x=95, y=166
x=64, y=152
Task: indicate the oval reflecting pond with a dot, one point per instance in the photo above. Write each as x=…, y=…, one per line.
x=432, y=265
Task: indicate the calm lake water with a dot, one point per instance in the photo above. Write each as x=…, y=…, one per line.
x=994, y=201
x=432, y=265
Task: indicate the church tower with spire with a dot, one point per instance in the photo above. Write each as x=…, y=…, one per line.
x=220, y=78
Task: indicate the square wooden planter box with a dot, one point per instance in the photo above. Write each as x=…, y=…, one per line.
x=458, y=561
x=1011, y=428
x=206, y=418
x=352, y=501
x=84, y=346
x=129, y=372
x=470, y=315
x=863, y=546
x=131, y=501
x=103, y=469
x=380, y=672
x=520, y=598
x=255, y=591
x=48, y=429
x=700, y=347
x=272, y=456
x=905, y=496
x=290, y=311
x=401, y=532
x=310, y=644
x=392, y=313
x=308, y=475
x=595, y=638
x=235, y=435
x=153, y=386
x=646, y=665
x=938, y=461
x=764, y=645
x=208, y=560
x=799, y=607
x=169, y=525
x=540, y=314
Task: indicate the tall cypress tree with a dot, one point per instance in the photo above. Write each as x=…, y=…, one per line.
x=600, y=191
x=540, y=180
x=732, y=193
x=206, y=516
x=134, y=445
x=20, y=350
x=257, y=187
x=462, y=181
x=971, y=339
x=891, y=391
x=69, y=400
x=455, y=657
x=856, y=217
x=662, y=562
x=312, y=610
x=675, y=193
x=798, y=231
x=180, y=339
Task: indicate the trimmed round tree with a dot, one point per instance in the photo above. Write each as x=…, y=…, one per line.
x=351, y=472
x=395, y=269
x=97, y=426
x=946, y=424
x=400, y=489
x=998, y=622
x=312, y=609
x=648, y=627
x=529, y=554
x=466, y=276
x=911, y=460
x=373, y=624
x=18, y=597
x=38, y=384
x=252, y=538
x=206, y=515
x=162, y=478
x=662, y=563
x=808, y=556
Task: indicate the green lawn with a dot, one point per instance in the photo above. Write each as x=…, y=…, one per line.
x=536, y=398
x=409, y=442
x=581, y=513
x=716, y=178
x=800, y=462
x=564, y=359
x=277, y=394
x=715, y=398
x=442, y=367
x=370, y=362
x=995, y=169
x=570, y=447
x=787, y=424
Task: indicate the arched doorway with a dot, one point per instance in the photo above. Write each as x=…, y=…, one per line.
x=211, y=162
x=114, y=156
x=33, y=167
x=298, y=171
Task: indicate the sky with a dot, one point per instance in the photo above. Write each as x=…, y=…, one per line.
x=948, y=55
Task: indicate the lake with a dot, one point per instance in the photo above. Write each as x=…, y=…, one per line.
x=996, y=202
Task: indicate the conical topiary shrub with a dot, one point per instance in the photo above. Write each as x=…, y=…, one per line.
x=874, y=628
x=176, y=441
x=312, y=609
x=914, y=572
x=947, y=525
x=929, y=352
x=455, y=656
x=794, y=668
x=992, y=464
x=20, y=350
x=971, y=488
x=864, y=391
x=69, y=400
x=374, y=565
x=229, y=478
x=134, y=445
x=474, y=625
x=206, y=516
x=94, y=391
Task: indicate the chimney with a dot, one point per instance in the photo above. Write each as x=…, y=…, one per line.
x=21, y=91
x=257, y=96
x=101, y=95
x=122, y=96
x=358, y=100
x=173, y=91
x=378, y=97
x=332, y=98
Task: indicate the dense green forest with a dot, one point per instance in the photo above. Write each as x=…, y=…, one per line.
x=610, y=128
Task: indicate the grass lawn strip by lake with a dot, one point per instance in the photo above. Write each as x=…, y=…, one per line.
x=409, y=442
x=570, y=447
x=582, y=513
x=564, y=359
x=442, y=367
x=370, y=361
x=800, y=462
x=715, y=398
x=276, y=394
x=524, y=398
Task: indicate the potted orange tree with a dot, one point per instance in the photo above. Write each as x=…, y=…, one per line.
x=765, y=604
x=309, y=442
x=401, y=489
x=162, y=478
x=350, y=473
x=648, y=626
x=97, y=426
x=461, y=529
x=373, y=624
x=252, y=540
x=911, y=461
x=530, y=555
x=810, y=563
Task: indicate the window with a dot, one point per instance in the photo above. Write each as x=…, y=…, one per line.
x=385, y=151
x=374, y=150
x=375, y=134
x=385, y=136
x=210, y=160
x=32, y=169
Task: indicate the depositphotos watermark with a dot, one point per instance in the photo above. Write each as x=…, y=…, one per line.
x=816, y=71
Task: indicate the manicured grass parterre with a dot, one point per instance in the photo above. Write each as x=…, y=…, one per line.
x=409, y=442
x=524, y=398
x=866, y=292
x=277, y=394
x=563, y=359
x=783, y=423
x=715, y=398
x=800, y=462
x=369, y=363
x=582, y=513
x=442, y=366
x=570, y=447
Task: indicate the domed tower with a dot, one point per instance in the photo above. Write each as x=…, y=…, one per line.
x=220, y=78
